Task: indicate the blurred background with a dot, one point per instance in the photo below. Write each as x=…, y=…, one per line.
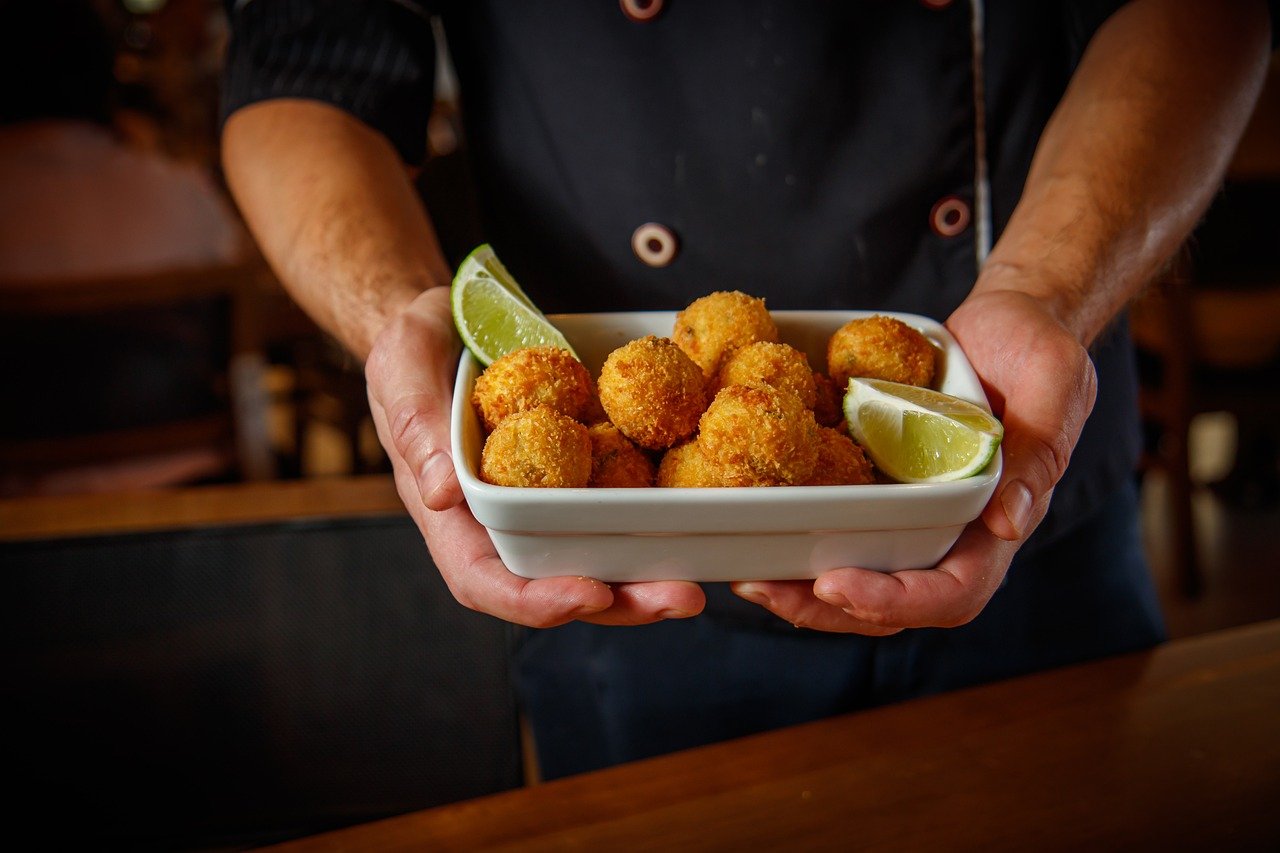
x=160, y=348
x=157, y=349
x=149, y=350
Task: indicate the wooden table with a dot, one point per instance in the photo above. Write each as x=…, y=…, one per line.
x=1178, y=748
x=197, y=506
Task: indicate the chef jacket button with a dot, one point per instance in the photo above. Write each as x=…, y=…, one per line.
x=641, y=10
x=654, y=244
x=950, y=216
x=935, y=4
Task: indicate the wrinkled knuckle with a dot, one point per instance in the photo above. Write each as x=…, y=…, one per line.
x=410, y=429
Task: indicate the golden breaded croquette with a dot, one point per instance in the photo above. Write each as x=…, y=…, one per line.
x=764, y=435
x=616, y=463
x=841, y=461
x=539, y=448
x=652, y=392
x=880, y=347
x=828, y=407
x=714, y=325
x=685, y=466
x=779, y=365
x=530, y=377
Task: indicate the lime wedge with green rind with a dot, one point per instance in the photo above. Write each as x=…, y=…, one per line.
x=493, y=315
x=919, y=435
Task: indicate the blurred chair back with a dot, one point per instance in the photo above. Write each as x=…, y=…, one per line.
x=103, y=372
x=218, y=684
x=1211, y=343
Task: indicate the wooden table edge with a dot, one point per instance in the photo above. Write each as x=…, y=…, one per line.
x=241, y=503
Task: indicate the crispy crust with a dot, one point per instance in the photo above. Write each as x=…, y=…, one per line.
x=881, y=347
x=652, y=392
x=778, y=365
x=616, y=463
x=763, y=435
x=716, y=324
x=841, y=461
x=527, y=378
x=540, y=448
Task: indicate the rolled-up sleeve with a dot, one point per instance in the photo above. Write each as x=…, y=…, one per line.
x=374, y=59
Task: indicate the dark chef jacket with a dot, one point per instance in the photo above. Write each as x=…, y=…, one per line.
x=819, y=154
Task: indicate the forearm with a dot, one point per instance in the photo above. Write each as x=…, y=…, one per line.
x=1132, y=155
x=335, y=214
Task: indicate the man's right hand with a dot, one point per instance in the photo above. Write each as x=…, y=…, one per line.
x=410, y=381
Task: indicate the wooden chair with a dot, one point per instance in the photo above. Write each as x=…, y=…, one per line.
x=1205, y=361
x=234, y=432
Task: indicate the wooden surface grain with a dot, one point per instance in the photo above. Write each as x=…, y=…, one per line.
x=1175, y=748
x=241, y=503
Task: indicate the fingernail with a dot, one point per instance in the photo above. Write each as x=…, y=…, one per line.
x=674, y=614
x=1016, y=501
x=752, y=593
x=434, y=473
x=835, y=599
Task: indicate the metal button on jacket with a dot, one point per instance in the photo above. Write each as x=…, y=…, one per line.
x=654, y=244
x=641, y=10
x=950, y=216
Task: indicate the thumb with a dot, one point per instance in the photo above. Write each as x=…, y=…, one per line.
x=420, y=435
x=1042, y=426
x=410, y=391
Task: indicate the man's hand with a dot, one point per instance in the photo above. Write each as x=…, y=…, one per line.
x=1041, y=384
x=1126, y=165
x=410, y=380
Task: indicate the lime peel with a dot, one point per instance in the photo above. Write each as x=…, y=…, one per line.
x=919, y=435
x=492, y=314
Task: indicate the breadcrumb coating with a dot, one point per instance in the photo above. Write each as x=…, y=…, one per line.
x=841, y=461
x=828, y=407
x=778, y=365
x=530, y=377
x=716, y=324
x=616, y=463
x=652, y=392
x=540, y=448
x=764, y=435
x=686, y=466
x=880, y=347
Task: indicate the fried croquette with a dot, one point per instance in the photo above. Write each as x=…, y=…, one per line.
x=763, y=435
x=880, y=347
x=684, y=466
x=841, y=462
x=828, y=406
x=718, y=323
x=616, y=463
x=779, y=365
x=652, y=392
x=540, y=448
x=530, y=377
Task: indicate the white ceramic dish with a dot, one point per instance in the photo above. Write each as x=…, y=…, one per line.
x=719, y=534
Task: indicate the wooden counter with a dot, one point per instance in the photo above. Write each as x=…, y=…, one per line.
x=201, y=506
x=1178, y=748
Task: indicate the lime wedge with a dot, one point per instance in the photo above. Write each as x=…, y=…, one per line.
x=492, y=314
x=918, y=435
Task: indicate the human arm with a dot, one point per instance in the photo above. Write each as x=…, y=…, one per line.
x=1127, y=164
x=334, y=212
